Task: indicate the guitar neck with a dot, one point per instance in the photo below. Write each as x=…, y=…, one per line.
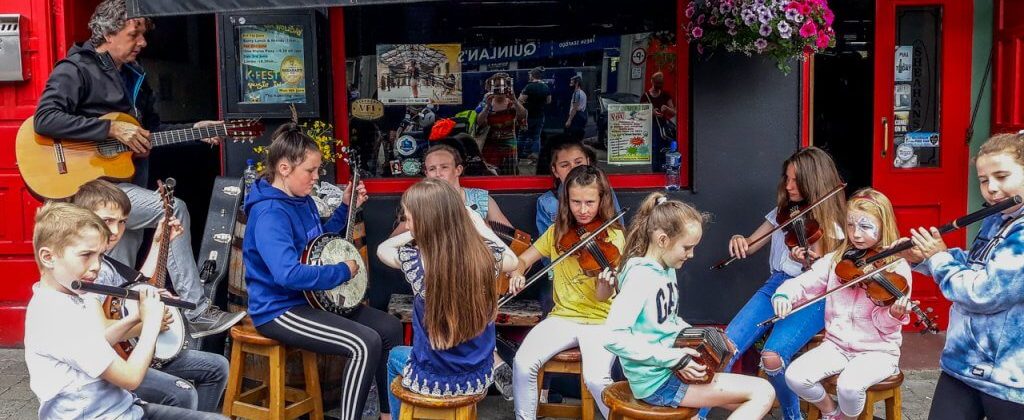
x=184, y=135
x=352, y=200
x=160, y=273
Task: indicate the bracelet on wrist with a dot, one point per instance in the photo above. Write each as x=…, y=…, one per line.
x=780, y=295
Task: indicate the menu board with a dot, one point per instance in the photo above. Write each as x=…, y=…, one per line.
x=629, y=134
x=273, y=68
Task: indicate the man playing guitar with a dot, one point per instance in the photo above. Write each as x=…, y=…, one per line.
x=101, y=76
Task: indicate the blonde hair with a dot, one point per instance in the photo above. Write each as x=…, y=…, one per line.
x=873, y=202
x=1009, y=143
x=60, y=225
x=676, y=218
x=584, y=176
x=459, y=267
x=816, y=175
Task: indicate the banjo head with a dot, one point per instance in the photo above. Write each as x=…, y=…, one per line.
x=332, y=249
x=168, y=343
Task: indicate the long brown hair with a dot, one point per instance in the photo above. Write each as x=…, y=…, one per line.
x=584, y=176
x=459, y=268
x=816, y=175
x=873, y=202
x=676, y=218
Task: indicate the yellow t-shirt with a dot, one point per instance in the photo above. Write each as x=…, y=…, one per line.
x=575, y=292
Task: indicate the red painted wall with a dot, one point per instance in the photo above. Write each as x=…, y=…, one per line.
x=1008, y=67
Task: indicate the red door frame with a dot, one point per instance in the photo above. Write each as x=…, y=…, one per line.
x=512, y=183
x=927, y=196
x=1008, y=67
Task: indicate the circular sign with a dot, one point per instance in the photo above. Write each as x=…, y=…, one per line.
x=367, y=109
x=411, y=167
x=638, y=56
x=405, y=145
x=292, y=70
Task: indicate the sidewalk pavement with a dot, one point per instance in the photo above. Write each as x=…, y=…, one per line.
x=919, y=363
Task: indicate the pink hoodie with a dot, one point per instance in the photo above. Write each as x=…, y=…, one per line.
x=852, y=321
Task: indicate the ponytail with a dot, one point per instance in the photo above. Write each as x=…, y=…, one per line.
x=658, y=212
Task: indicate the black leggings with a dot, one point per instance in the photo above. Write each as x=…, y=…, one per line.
x=366, y=337
x=955, y=400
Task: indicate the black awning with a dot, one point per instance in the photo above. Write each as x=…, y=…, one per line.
x=138, y=8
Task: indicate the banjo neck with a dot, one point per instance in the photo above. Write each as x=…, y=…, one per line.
x=350, y=220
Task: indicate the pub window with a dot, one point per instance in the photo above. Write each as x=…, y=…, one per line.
x=437, y=61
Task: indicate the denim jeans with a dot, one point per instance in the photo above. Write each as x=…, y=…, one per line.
x=786, y=338
x=529, y=142
x=166, y=412
x=397, y=360
x=147, y=209
x=669, y=394
x=194, y=380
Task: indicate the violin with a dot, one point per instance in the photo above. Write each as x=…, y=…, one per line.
x=517, y=240
x=801, y=231
x=598, y=254
x=584, y=241
x=883, y=287
x=785, y=219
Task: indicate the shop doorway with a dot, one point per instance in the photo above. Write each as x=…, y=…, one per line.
x=842, y=102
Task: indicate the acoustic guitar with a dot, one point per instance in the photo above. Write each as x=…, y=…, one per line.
x=56, y=168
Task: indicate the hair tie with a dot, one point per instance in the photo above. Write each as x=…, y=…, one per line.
x=661, y=200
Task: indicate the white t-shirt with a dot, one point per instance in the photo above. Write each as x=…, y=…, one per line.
x=779, y=259
x=66, y=352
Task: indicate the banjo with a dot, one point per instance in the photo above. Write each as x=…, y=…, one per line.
x=171, y=342
x=333, y=248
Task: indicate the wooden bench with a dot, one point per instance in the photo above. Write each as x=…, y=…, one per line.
x=517, y=313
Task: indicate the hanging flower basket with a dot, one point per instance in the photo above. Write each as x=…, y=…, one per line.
x=780, y=29
x=321, y=132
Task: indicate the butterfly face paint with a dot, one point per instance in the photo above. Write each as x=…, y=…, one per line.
x=862, y=229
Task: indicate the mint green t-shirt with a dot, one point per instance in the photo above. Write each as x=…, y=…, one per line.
x=643, y=324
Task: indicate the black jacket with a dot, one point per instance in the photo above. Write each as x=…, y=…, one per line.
x=85, y=85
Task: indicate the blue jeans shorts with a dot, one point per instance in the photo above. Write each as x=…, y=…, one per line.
x=669, y=394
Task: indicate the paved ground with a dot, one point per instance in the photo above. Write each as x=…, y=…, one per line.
x=920, y=364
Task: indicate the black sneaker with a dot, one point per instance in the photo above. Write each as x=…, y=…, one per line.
x=503, y=380
x=214, y=321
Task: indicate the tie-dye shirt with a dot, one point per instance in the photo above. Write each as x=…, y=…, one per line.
x=984, y=343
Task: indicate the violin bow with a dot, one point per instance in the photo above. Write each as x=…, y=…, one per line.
x=590, y=238
x=855, y=281
x=721, y=264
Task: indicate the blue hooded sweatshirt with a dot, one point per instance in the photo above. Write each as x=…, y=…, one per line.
x=279, y=227
x=984, y=343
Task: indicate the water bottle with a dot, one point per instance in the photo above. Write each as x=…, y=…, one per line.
x=672, y=159
x=249, y=176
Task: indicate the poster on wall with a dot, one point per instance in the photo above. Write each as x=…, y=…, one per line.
x=904, y=63
x=419, y=74
x=629, y=134
x=901, y=97
x=272, y=64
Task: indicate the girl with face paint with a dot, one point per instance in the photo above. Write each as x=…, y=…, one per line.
x=983, y=359
x=862, y=340
x=806, y=176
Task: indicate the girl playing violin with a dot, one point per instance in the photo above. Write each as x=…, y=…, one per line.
x=454, y=297
x=807, y=176
x=644, y=320
x=862, y=339
x=982, y=361
x=282, y=219
x=581, y=300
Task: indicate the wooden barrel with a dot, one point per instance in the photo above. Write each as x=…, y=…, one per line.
x=331, y=367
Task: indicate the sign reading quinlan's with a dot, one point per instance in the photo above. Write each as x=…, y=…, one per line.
x=480, y=55
x=367, y=109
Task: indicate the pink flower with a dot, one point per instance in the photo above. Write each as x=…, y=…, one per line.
x=697, y=32
x=829, y=17
x=689, y=11
x=822, y=41
x=808, y=29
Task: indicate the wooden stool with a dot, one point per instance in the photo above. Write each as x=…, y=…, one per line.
x=245, y=339
x=567, y=361
x=888, y=390
x=621, y=405
x=419, y=406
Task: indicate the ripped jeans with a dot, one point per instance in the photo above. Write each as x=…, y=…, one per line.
x=787, y=337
